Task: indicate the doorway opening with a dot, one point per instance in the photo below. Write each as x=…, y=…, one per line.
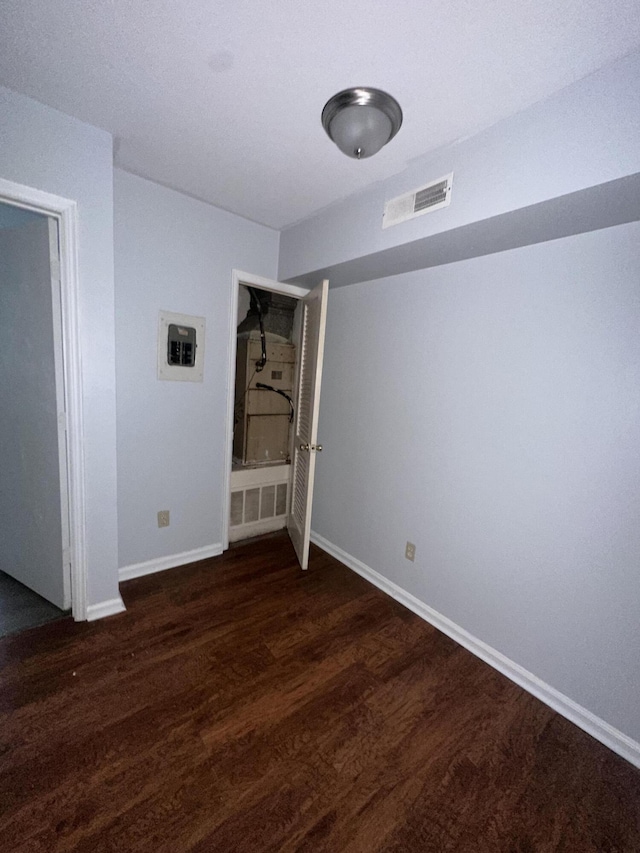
x=267, y=348
x=35, y=582
x=276, y=349
x=46, y=536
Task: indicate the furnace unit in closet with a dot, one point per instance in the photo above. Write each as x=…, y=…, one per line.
x=264, y=401
x=263, y=411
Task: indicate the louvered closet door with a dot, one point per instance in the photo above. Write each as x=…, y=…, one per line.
x=306, y=437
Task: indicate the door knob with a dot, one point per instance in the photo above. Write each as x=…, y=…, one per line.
x=304, y=447
x=317, y=447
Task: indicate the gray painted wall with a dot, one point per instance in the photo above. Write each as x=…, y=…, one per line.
x=45, y=149
x=176, y=254
x=488, y=412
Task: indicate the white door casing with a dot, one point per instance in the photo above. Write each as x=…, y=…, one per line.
x=305, y=445
x=63, y=456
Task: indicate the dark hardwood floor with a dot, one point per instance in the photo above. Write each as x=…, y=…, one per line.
x=242, y=705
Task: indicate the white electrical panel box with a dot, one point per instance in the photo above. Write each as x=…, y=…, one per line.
x=180, y=347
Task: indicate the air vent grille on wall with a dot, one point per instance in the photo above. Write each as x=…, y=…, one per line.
x=259, y=500
x=430, y=197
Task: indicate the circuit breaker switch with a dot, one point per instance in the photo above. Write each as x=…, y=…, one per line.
x=181, y=345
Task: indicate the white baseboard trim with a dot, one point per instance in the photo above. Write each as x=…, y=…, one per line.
x=160, y=564
x=595, y=726
x=105, y=608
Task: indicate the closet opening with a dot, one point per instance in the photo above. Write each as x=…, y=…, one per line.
x=265, y=404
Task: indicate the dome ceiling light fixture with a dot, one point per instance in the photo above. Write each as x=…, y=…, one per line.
x=361, y=120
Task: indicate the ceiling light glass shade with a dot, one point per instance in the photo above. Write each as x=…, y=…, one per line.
x=360, y=121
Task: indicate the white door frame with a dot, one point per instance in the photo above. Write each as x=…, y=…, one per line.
x=65, y=211
x=238, y=277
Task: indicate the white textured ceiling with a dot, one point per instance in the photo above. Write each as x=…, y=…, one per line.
x=222, y=98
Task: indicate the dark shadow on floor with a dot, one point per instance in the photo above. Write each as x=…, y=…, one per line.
x=21, y=608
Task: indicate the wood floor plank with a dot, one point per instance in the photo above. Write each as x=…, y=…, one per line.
x=243, y=705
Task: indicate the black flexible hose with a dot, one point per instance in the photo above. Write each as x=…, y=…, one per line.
x=282, y=394
x=256, y=306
